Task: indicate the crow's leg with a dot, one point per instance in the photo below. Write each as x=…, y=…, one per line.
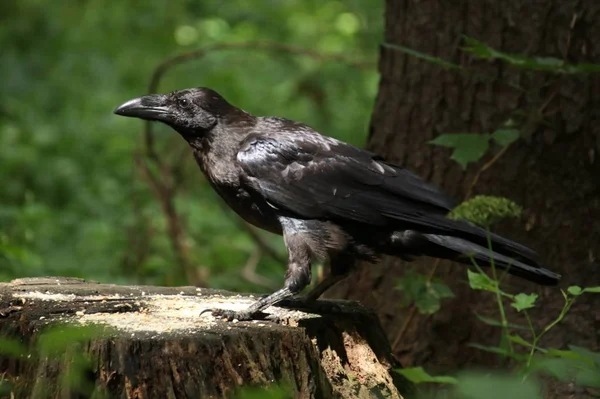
x=328, y=282
x=340, y=266
x=297, y=278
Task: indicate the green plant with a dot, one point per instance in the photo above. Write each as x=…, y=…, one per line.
x=76, y=198
x=59, y=345
x=276, y=391
x=575, y=364
x=424, y=293
x=468, y=147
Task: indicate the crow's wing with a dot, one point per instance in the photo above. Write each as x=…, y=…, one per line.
x=316, y=177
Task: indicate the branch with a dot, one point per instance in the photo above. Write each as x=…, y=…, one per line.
x=413, y=310
x=485, y=167
x=250, y=275
x=164, y=185
x=167, y=64
x=174, y=227
x=256, y=237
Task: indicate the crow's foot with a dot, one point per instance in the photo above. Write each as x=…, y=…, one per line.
x=230, y=315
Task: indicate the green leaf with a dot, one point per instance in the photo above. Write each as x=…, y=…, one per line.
x=575, y=290
x=578, y=363
x=426, y=295
x=480, y=281
x=566, y=354
x=594, y=290
x=55, y=340
x=498, y=351
x=524, y=301
x=497, y=386
x=586, y=354
x=556, y=367
x=439, y=290
x=493, y=349
x=423, y=56
x=519, y=340
x=6, y=388
x=417, y=375
x=505, y=137
x=412, y=285
x=588, y=378
x=12, y=347
x=467, y=147
x=547, y=64
x=497, y=323
x=426, y=304
x=270, y=392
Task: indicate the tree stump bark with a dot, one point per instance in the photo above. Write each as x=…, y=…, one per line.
x=155, y=344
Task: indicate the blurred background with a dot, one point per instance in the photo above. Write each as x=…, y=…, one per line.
x=80, y=194
x=513, y=86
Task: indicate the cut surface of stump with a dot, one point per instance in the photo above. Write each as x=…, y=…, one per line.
x=155, y=344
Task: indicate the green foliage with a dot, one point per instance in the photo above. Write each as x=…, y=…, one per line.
x=73, y=201
x=486, y=210
x=11, y=347
x=576, y=290
x=496, y=386
x=505, y=136
x=424, y=293
x=427, y=293
x=270, y=392
x=496, y=323
x=418, y=376
x=524, y=301
x=60, y=344
x=577, y=365
x=468, y=147
x=423, y=56
x=56, y=340
x=481, y=281
x=542, y=64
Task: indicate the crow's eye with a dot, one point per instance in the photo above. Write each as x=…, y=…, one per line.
x=183, y=102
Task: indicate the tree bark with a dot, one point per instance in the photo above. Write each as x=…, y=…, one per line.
x=155, y=344
x=553, y=171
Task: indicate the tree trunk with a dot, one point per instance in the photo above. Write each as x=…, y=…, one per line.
x=553, y=171
x=155, y=344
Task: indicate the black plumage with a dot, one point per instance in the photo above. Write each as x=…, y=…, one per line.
x=327, y=198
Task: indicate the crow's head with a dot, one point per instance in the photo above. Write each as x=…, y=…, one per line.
x=191, y=112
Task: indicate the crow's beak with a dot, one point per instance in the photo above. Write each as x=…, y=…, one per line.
x=151, y=107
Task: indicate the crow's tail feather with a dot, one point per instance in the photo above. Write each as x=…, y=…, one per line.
x=515, y=262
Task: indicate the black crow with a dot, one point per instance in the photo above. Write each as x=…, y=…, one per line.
x=327, y=198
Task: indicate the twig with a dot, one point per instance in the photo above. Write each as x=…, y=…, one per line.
x=164, y=187
x=413, y=309
x=500, y=153
x=485, y=167
x=266, y=248
x=256, y=237
x=167, y=64
x=569, y=35
x=138, y=243
x=174, y=227
x=249, y=272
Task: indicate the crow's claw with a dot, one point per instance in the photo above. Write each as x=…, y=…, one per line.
x=228, y=314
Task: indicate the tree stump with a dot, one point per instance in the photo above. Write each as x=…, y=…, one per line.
x=155, y=344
